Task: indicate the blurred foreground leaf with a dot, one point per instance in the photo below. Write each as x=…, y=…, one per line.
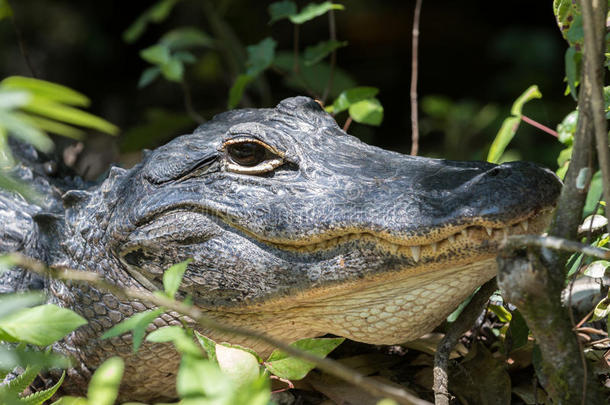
x=292, y=368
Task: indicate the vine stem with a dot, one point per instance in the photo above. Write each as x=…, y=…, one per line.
x=325, y=364
x=414, y=67
x=539, y=126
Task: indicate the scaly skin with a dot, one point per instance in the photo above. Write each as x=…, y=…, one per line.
x=295, y=229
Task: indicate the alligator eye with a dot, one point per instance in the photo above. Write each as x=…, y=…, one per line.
x=247, y=154
x=251, y=156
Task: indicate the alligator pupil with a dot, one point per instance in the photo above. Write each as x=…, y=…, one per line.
x=247, y=153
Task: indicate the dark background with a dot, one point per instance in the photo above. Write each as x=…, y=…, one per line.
x=478, y=55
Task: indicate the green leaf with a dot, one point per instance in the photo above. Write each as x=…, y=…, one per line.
x=38, y=398
x=51, y=126
x=136, y=323
x=352, y=96
x=156, y=13
x=567, y=128
x=25, y=190
x=12, y=356
x=186, y=37
x=239, y=365
x=369, y=111
x=7, y=261
x=314, y=54
x=12, y=99
x=5, y=10
x=208, y=345
x=573, y=62
x=185, y=56
x=285, y=366
x=173, y=70
x=41, y=325
x=52, y=91
x=158, y=54
x=594, y=195
x=575, y=33
x=179, y=337
x=313, y=10
x=104, y=384
x=22, y=381
x=531, y=93
x=25, y=131
x=597, y=269
x=518, y=330
x=172, y=277
x=148, y=76
x=199, y=377
x=260, y=56
x=602, y=309
x=503, y=138
x=281, y=9
x=68, y=400
x=10, y=303
x=237, y=90
x=69, y=115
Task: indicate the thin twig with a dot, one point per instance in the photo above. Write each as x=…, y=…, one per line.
x=464, y=322
x=22, y=48
x=593, y=22
x=539, y=126
x=348, y=122
x=414, y=64
x=330, y=366
x=188, y=103
x=555, y=243
x=332, y=30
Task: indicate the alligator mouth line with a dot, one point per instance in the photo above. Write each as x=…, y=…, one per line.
x=469, y=235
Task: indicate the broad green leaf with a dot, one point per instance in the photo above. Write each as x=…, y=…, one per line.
x=281, y=9
x=51, y=126
x=48, y=90
x=25, y=131
x=594, y=195
x=5, y=10
x=369, y=111
x=502, y=313
x=41, y=325
x=567, y=127
x=69, y=115
x=104, y=384
x=40, y=397
x=172, y=277
x=573, y=63
x=597, y=269
x=565, y=12
x=199, y=377
x=12, y=356
x=352, y=96
x=285, y=366
x=314, y=54
x=575, y=33
x=179, y=337
x=156, y=13
x=185, y=56
x=602, y=309
x=313, y=10
x=136, y=323
x=22, y=381
x=158, y=54
x=531, y=93
x=260, y=56
x=237, y=90
x=186, y=37
x=518, y=330
x=503, y=138
x=11, y=99
x=173, y=70
x=208, y=345
x=10, y=303
x=239, y=365
x=148, y=76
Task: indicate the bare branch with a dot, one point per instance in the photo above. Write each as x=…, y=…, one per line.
x=328, y=365
x=555, y=243
x=414, y=67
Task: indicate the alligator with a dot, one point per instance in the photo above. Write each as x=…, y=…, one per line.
x=295, y=229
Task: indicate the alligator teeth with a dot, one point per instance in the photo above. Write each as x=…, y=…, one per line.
x=451, y=238
x=465, y=233
x=415, y=251
x=489, y=231
x=524, y=225
x=434, y=247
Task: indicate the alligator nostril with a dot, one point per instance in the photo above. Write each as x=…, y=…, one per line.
x=499, y=172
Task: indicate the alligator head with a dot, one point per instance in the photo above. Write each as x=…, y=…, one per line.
x=294, y=228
